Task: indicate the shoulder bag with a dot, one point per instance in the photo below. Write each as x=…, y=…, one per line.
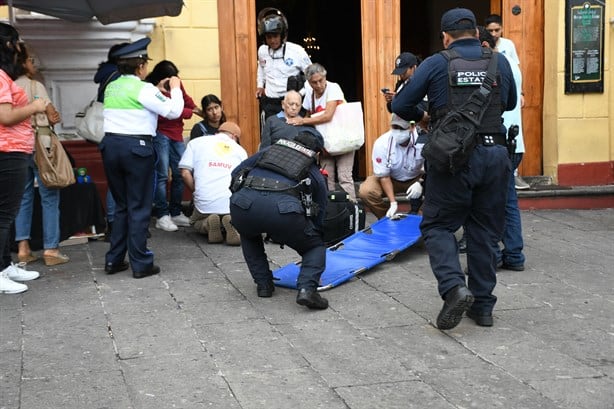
x=345, y=132
x=90, y=120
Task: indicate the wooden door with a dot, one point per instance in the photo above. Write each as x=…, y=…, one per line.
x=380, y=24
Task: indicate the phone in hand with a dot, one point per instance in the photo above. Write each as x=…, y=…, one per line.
x=385, y=90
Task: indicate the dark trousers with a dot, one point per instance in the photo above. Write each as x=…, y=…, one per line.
x=475, y=198
x=13, y=175
x=129, y=166
x=282, y=217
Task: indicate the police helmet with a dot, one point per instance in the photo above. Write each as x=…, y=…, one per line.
x=272, y=21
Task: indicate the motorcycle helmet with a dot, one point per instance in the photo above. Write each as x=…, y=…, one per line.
x=272, y=21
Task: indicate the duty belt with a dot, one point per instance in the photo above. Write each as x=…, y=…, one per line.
x=145, y=137
x=491, y=140
x=271, y=185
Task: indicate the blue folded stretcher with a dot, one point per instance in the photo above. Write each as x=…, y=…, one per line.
x=380, y=242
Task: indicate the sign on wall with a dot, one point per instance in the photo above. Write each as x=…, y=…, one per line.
x=584, y=26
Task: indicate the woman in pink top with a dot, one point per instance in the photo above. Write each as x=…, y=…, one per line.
x=16, y=145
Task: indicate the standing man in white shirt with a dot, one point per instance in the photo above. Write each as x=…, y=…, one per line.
x=281, y=63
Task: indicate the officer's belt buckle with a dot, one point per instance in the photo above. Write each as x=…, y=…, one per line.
x=488, y=140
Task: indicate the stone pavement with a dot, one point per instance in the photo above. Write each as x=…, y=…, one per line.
x=197, y=336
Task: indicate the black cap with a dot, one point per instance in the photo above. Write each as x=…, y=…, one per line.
x=451, y=20
x=138, y=49
x=403, y=62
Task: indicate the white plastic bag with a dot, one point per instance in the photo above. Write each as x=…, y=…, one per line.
x=89, y=122
x=345, y=132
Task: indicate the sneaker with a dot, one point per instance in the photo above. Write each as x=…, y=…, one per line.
x=214, y=229
x=520, y=184
x=165, y=223
x=181, y=220
x=16, y=272
x=232, y=235
x=8, y=286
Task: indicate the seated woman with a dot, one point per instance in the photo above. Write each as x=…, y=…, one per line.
x=50, y=198
x=213, y=114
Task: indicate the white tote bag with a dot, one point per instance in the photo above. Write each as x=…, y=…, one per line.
x=345, y=132
x=89, y=122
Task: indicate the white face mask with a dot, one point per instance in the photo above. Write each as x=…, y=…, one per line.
x=400, y=135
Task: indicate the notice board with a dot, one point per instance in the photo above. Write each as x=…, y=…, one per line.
x=584, y=26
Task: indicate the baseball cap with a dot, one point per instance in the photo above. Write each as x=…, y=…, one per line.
x=451, y=19
x=231, y=127
x=404, y=61
x=397, y=120
x=138, y=49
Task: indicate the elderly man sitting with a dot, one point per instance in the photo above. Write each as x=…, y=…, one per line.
x=276, y=127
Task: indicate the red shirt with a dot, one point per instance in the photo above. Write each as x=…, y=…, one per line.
x=18, y=137
x=173, y=128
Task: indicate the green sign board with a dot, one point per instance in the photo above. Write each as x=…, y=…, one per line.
x=584, y=46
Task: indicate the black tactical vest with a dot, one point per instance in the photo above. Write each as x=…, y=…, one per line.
x=464, y=75
x=288, y=158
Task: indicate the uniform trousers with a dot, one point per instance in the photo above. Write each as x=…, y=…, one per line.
x=282, y=217
x=475, y=197
x=129, y=166
x=512, y=234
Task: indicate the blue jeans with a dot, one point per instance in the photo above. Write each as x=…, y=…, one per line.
x=169, y=153
x=50, y=201
x=512, y=234
x=13, y=171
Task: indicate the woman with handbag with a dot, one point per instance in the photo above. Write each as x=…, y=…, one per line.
x=50, y=197
x=16, y=144
x=320, y=101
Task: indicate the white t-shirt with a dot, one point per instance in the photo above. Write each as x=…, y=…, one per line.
x=513, y=117
x=332, y=92
x=401, y=163
x=211, y=160
x=274, y=67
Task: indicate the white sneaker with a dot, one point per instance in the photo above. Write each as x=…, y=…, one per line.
x=520, y=184
x=8, y=286
x=17, y=272
x=181, y=220
x=165, y=223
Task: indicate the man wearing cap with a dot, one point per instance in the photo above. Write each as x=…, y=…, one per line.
x=404, y=66
x=205, y=167
x=397, y=168
x=280, y=191
x=476, y=195
x=131, y=109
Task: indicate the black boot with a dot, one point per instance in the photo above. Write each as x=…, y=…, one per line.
x=311, y=299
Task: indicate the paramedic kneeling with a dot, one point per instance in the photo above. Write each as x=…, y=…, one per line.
x=476, y=195
x=397, y=167
x=280, y=191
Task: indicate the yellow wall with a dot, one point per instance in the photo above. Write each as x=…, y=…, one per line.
x=577, y=127
x=191, y=41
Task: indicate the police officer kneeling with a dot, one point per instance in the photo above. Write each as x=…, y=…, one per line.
x=280, y=191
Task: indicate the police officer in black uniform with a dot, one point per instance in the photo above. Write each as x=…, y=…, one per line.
x=476, y=195
x=281, y=192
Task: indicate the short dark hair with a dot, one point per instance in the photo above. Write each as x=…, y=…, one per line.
x=461, y=33
x=493, y=18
